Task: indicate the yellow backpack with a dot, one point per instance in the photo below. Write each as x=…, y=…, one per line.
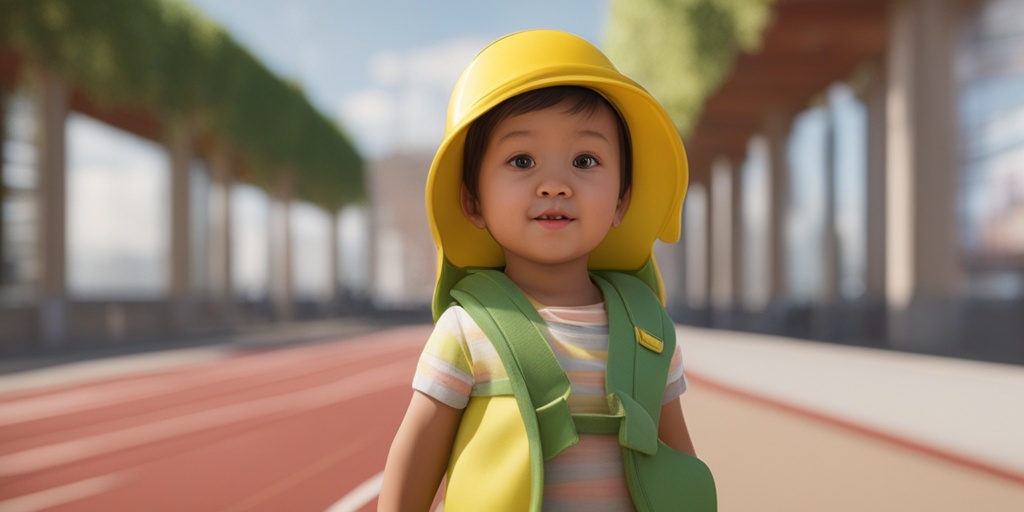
x=487, y=472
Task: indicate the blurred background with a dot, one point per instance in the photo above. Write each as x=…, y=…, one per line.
x=249, y=174
x=175, y=168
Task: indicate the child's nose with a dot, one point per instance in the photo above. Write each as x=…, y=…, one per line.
x=554, y=184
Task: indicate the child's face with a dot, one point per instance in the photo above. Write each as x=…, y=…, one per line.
x=549, y=185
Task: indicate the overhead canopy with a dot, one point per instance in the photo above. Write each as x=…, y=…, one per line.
x=807, y=45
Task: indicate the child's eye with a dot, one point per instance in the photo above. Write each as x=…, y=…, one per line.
x=584, y=161
x=521, y=162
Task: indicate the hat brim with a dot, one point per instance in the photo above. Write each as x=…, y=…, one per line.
x=658, y=186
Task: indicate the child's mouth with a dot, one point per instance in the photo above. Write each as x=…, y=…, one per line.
x=553, y=220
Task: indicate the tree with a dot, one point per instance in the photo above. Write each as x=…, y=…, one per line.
x=681, y=50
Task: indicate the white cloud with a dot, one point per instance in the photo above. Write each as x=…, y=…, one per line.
x=405, y=106
x=386, y=69
x=369, y=116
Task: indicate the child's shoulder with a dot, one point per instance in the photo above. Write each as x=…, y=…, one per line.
x=456, y=323
x=453, y=319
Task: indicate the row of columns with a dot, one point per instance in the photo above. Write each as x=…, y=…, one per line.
x=911, y=267
x=51, y=96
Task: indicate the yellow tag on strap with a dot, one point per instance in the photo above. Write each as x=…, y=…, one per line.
x=649, y=341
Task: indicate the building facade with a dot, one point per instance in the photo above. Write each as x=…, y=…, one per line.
x=859, y=179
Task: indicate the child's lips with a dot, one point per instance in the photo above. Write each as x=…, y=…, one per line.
x=554, y=219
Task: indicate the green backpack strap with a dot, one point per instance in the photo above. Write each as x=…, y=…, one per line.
x=641, y=343
x=659, y=477
x=539, y=384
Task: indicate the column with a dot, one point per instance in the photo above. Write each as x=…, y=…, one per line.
x=723, y=275
x=776, y=129
x=51, y=96
x=333, y=273
x=221, y=289
x=3, y=160
x=922, y=272
x=829, y=294
x=738, y=257
x=874, y=272
x=282, y=295
x=696, y=244
x=179, y=147
x=823, y=325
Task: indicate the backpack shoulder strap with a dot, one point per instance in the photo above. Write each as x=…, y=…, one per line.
x=641, y=344
x=539, y=384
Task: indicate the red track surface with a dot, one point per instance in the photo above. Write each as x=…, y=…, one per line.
x=286, y=429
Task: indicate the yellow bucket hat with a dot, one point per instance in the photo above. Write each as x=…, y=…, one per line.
x=536, y=59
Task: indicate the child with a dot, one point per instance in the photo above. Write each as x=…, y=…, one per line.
x=553, y=165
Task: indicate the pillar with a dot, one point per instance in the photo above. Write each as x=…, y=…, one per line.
x=922, y=272
x=829, y=291
x=221, y=288
x=874, y=98
x=282, y=294
x=737, y=260
x=723, y=275
x=333, y=272
x=3, y=190
x=179, y=147
x=51, y=96
x=696, y=246
x=776, y=129
x=824, y=324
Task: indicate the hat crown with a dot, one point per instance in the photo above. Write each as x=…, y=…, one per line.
x=517, y=59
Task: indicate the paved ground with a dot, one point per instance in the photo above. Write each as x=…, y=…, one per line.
x=786, y=425
x=789, y=425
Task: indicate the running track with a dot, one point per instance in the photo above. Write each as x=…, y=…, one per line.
x=290, y=429
x=307, y=427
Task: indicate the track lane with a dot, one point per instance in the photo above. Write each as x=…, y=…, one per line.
x=291, y=429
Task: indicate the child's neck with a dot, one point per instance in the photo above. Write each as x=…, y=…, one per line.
x=566, y=284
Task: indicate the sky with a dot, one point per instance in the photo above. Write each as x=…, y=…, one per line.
x=384, y=70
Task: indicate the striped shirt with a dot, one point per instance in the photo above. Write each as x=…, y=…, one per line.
x=459, y=361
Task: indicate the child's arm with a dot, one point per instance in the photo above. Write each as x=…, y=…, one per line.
x=419, y=455
x=672, y=428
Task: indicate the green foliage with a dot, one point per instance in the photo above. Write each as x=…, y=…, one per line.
x=681, y=50
x=163, y=56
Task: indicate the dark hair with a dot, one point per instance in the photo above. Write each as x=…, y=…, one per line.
x=580, y=99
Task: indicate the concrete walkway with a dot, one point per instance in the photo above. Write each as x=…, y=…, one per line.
x=792, y=425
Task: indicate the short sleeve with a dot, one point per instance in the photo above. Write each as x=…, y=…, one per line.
x=444, y=371
x=677, y=383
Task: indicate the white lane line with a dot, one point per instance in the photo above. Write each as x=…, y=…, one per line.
x=82, y=372
x=112, y=393
x=299, y=477
x=360, y=496
x=72, y=401
x=375, y=379
x=56, y=496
